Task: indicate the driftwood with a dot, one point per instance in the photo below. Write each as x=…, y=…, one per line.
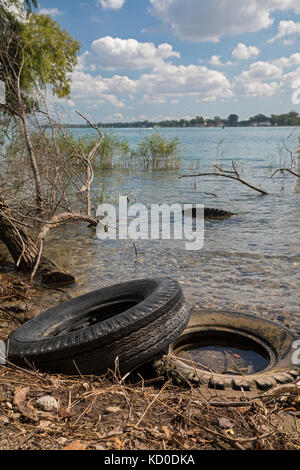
x=25, y=252
x=231, y=174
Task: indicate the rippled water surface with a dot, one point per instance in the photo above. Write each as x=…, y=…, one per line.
x=249, y=263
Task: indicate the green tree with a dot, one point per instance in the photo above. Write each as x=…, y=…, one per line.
x=34, y=54
x=293, y=118
x=200, y=121
x=51, y=54
x=259, y=118
x=233, y=120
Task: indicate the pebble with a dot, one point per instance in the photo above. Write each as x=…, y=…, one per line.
x=113, y=409
x=97, y=447
x=61, y=440
x=47, y=403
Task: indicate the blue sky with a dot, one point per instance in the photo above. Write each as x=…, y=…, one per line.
x=171, y=59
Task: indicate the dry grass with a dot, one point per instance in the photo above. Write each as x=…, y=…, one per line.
x=12, y=289
x=106, y=413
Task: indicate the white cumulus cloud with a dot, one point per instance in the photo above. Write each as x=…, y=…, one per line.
x=243, y=52
x=50, y=11
x=291, y=61
x=255, y=88
x=264, y=71
x=173, y=81
x=286, y=28
x=98, y=89
x=164, y=83
x=216, y=61
x=112, y=4
x=115, y=54
x=290, y=81
x=200, y=20
x=262, y=79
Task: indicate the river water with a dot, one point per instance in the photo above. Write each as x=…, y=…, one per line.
x=249, y=263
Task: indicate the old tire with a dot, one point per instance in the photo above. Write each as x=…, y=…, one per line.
x=133, y=321
x=276, y=342
x=209, y=213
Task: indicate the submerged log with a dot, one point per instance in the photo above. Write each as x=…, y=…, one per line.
x=25, y=252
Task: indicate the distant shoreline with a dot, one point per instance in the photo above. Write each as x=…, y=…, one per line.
x=157, y=128
x=291, y=119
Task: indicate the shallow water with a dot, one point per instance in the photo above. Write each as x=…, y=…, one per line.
x=225, y=360
x=249, y=263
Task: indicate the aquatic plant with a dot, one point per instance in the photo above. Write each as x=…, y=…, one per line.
x=152, y=153
x=157, y=153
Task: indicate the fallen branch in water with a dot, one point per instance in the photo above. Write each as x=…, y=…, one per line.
x=293, y=163
x=288, y=170
x=231, y=174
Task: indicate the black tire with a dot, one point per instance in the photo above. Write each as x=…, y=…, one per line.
x=133, y=321
x=209, y=213
x=273, y=340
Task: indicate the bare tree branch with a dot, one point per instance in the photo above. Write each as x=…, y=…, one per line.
x=288, y=170
x=231, y=174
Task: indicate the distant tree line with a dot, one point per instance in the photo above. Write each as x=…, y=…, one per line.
x=233, y=120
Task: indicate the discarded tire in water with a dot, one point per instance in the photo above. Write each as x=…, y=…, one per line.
x=209, y=213
x=234, y=335
x=133, y=321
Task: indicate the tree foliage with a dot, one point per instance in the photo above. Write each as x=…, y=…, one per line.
x=233, y=120
x=35, y=54
x=50, y=55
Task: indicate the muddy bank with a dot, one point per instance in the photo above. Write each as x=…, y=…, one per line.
x=40, y=412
